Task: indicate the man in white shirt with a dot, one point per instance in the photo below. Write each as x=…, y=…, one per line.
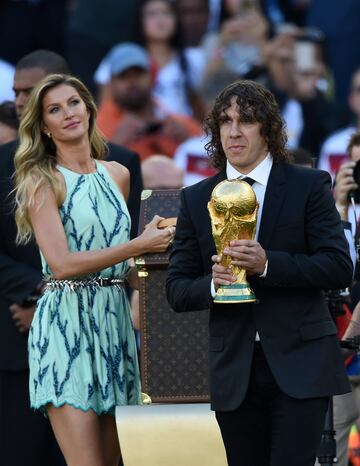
x=191, y=157
x=333, y=151
x=274, y=363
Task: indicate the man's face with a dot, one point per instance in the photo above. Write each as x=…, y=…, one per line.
x=24, y=81
x=243, y=145
x=354, y=97
x=131, y=89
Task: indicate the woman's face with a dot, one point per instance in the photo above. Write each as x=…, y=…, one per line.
x=64, y=114
x=159, y=21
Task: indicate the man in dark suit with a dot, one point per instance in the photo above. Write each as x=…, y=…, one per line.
x=273, y=364
x=25, y=435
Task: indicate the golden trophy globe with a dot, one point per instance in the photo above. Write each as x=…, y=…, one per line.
x=233, y=211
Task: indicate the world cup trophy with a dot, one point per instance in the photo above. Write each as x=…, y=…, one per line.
x=233, y=211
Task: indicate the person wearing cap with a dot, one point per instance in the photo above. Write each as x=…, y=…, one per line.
x=132, y=117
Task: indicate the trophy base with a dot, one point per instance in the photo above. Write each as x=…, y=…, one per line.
x=235, y=294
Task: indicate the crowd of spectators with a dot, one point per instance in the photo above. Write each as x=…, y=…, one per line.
x=155, y=66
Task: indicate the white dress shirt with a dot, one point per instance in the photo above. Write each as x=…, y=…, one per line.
x=260, y=174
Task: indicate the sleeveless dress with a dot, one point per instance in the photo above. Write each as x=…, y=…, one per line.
x=82, y=348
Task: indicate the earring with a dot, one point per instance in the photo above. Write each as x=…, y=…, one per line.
x=48, y=135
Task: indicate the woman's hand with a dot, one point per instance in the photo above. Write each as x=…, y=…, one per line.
x=155, y=239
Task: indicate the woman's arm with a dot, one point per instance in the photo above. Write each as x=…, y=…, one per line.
x=52, y=241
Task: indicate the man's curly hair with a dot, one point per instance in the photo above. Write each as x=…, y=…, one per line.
x=256, y=104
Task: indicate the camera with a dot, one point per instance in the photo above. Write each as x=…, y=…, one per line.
x=335, y=301
x=355, y=194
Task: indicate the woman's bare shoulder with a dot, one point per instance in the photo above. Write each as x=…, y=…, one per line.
x=117, y=170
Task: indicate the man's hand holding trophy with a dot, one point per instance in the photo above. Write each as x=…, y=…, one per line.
x=233, y=211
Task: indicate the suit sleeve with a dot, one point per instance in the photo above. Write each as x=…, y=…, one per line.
x=188, y=288
x=17, y=280
x=327, y=265
x=131, y=161
x=136, y=186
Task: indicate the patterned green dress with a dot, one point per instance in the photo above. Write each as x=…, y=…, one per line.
x=82, y=349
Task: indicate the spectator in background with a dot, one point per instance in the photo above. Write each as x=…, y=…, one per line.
x=347, y=406
x=299, y=83
x=277, y=12
x=176, y=72
x=160, y=172
x=9, y=122
x=333, y=151
x=134, y=119
x=236, y=51
x=347, y=200
x=303, y=158
x=94, y=26
x=340, y=22
x=192, y=158
x=30, y=69
x=281, y=11
x=345, y=184
x=194, y=17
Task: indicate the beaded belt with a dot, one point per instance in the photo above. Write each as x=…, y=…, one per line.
x=70, y=285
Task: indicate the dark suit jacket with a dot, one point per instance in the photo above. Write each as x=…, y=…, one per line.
x=20, y=270
x=131, y=161
x=307, y=252
x=20, y=267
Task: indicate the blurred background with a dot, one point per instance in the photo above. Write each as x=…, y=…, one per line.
x=305, y=51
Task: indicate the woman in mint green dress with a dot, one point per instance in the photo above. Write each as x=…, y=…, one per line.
x=82, y=351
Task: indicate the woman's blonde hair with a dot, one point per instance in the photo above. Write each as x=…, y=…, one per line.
x=35, y=158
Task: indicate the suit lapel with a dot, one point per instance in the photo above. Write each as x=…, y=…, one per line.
x=221, y=176
x=274, y=197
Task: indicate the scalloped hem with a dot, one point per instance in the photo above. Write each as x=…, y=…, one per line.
x=42, y=407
